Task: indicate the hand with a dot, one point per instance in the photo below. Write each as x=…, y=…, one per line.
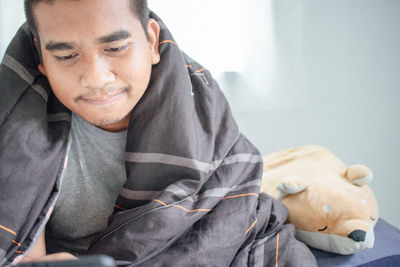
x=38, y=253
x=61, y=256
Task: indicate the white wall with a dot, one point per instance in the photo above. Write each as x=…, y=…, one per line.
x=298, y=72
x=11, y=17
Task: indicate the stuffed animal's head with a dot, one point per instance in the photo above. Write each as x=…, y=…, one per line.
x=330, y=204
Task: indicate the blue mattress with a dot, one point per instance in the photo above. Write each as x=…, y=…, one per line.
x=386, y=250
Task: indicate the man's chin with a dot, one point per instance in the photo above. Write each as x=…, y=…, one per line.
x=115, y=124
x=107, y=122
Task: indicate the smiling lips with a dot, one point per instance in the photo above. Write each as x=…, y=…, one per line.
x=102, y=100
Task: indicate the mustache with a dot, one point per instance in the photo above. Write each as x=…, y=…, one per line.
x=102, y=92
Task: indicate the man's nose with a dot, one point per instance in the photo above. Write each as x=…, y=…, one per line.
x=97, y=74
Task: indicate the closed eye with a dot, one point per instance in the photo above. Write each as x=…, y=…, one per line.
x=323, y=229
x=373, y=219
x=65, y=58
x=116, y=50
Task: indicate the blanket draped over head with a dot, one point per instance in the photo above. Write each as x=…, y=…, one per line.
x=192, y=193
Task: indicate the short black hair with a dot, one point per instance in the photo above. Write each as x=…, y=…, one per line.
x=138, y=8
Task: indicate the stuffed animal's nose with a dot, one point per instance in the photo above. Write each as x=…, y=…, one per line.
x=357, y=235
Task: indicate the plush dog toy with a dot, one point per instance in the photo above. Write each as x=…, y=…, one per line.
x=330, y=204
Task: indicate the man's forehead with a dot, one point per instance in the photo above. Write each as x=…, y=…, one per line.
x=82, y=10
x=74, y=3
x=101, y=21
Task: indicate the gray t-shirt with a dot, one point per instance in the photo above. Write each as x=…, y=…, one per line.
x=94, y=177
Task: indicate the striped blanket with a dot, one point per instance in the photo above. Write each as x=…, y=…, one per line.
x=192, y=193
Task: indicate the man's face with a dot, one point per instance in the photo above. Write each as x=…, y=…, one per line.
x=96, y=57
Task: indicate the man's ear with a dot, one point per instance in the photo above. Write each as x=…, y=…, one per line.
x=153, y=32
x=42, y=69
x=40, y=66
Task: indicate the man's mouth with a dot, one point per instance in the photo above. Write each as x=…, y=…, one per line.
x=103, y=99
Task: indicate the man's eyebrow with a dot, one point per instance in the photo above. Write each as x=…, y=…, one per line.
x=115, y=36
x=52, y=46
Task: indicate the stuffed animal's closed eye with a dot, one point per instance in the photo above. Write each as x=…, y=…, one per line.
x=330, y=204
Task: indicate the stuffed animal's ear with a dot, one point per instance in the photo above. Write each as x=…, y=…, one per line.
x=359, y=175
x=290, y=185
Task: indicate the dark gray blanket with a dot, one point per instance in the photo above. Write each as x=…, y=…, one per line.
x=192, y=194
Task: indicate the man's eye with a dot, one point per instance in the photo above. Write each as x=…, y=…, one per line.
x=117, y=50
x=65, y=58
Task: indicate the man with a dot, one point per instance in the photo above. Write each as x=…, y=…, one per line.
x=115, y=142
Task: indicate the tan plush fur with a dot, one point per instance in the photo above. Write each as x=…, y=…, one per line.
x=330, y=203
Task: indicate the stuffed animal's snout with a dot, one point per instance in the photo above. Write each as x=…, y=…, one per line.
x=358, y=235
